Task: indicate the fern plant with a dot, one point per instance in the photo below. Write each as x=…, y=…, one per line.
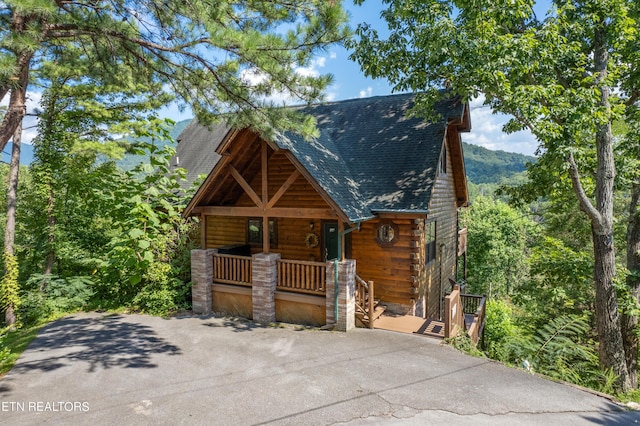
x=561, y=350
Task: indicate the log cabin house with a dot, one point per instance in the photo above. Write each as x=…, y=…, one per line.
x=371, y=203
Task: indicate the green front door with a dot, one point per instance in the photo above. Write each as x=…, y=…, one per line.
x=330, y=235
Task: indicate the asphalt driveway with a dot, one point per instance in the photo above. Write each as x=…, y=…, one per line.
x=95, y=369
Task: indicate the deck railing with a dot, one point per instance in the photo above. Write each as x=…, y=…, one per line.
x=232, y=269
x=365, y=300
x=453, y=313
x=474, y=312
x=471, y=302
x=301, y=276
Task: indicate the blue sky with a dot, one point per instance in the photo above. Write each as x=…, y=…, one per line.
x=350, y=82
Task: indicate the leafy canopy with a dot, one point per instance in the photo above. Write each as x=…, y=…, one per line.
x=220, y=57
x=539, y=70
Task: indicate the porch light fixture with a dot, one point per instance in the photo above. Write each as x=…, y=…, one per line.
x=311, y=225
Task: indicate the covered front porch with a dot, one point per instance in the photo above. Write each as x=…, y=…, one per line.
x=266, y=288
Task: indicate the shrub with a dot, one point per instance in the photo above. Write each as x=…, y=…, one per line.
x=499, y=330
x=49, y=295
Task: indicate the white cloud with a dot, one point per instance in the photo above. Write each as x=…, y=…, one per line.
x=254, y=76
x=313, y=69
x=486, y=131
x=307, y=71
x=365, y=93
x=330, y=96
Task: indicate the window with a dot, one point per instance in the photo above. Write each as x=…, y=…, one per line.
x=386, y=233
x=430, y=242
x=254, y=231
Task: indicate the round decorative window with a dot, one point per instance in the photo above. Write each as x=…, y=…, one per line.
x=387, y=233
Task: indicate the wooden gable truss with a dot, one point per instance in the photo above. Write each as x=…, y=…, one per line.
x=254, y=178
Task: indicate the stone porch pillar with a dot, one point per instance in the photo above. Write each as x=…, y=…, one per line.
x=201, y=278
x=265, y=278
x=346, y=295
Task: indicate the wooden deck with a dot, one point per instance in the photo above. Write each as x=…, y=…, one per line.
x=410, y=324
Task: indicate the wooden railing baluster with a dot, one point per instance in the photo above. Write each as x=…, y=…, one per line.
x=231, y=269
x=301, y=276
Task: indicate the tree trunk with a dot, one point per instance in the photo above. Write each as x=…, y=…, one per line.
x=630, y=322
x=10, y=228
x=17, y=100
x=12, y=193
x=611, y=347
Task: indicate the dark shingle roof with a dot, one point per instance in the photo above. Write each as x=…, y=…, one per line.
x=198, y=153
x=369, y=157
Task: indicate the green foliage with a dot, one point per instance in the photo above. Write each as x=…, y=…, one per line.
x=4, y=353
x=561, y=283
x=499, y=330
x=13, y=343
x=485, y=166
x=561, y=349
x=148, y=265
x=135, y=157
x=498, y=245
x=9, y=286
x=463, y=342
x=48, y=296
x=220, y=57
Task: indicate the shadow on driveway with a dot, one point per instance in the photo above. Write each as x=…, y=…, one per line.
x=100, y=341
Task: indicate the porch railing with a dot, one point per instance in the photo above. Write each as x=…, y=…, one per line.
x=365, y=301
x=474, y=315
x=232, y=269
x=301, y=276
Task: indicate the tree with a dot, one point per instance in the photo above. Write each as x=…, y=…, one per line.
x=220, y=57
x=554, y=76
x=9, y=286
x=499, y=237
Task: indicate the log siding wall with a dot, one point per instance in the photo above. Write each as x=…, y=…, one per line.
x=388, y=267
x=432, y=279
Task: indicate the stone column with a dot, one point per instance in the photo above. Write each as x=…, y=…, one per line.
x=201, y=278
x=346, y=295
x=265, y=278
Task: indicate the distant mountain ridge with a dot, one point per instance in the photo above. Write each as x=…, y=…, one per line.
x=483, y=166
x=486, y=166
